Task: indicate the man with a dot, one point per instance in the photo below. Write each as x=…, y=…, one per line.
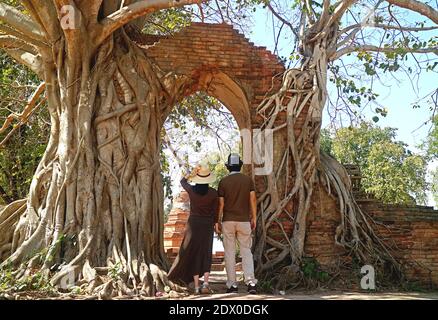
x=238, y=213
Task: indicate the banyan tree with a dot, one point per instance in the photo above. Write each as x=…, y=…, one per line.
x=95, y=203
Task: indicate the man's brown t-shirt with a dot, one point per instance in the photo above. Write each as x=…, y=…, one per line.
x=235, y=189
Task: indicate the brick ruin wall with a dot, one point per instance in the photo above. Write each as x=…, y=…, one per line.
x=213, y=48
x=410, y=231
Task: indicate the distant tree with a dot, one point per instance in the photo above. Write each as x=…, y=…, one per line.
x=199, y=128
x=431, y=147
x=434, y=185
x=22, y=149
x=390, y=172
x=326, y=142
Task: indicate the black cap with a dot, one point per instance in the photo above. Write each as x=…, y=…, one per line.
x=234, y=160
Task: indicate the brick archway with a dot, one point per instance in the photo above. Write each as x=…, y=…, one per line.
x=221, y=62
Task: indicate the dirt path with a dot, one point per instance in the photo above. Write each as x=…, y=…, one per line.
x=218, y=279
x=217, y=283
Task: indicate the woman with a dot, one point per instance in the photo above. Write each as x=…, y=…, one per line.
x=194, y=257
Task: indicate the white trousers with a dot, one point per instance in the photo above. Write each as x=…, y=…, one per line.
x=241, y=231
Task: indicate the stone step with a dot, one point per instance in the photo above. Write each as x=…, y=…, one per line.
x=217, y=260
x=214, y=261
x=217, y=267
x=221, y=267
x=172, y=255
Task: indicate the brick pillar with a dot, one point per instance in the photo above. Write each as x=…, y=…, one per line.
x=174, y=228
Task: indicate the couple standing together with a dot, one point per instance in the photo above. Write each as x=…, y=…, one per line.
x=230, y=211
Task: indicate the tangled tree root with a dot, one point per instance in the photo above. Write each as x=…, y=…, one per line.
x=113, y=281
x=290, y=189
x=9, y=217
x=356, y=232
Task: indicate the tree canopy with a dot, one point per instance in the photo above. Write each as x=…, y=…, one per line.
x=22, y=147
x=390, y=172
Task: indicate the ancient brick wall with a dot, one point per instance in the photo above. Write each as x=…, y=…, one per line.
x=410, y=231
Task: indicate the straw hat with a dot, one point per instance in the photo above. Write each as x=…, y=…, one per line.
x=202, y=175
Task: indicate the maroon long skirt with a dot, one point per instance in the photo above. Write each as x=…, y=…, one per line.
x=195, y=254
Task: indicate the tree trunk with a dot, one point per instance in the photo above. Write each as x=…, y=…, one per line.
x=96, y=200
